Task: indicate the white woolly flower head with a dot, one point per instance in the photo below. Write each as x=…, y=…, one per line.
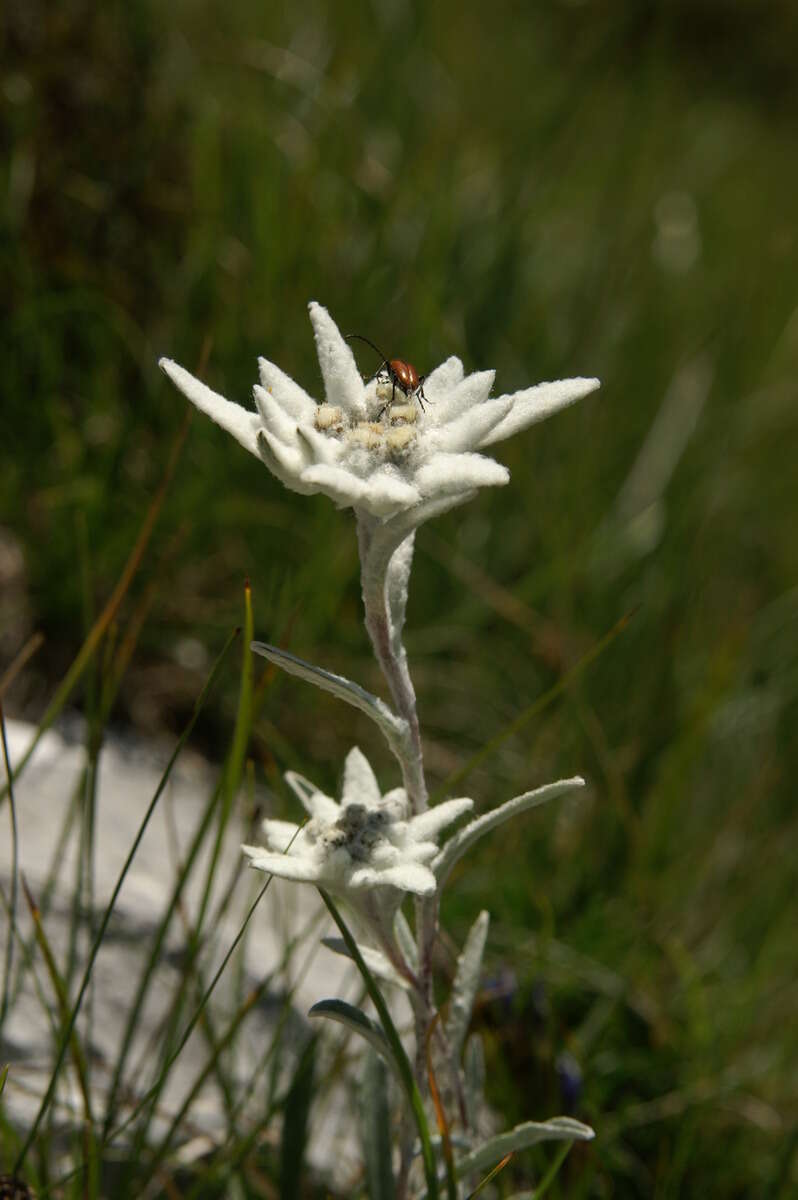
x=364, y=841
x=370, y=445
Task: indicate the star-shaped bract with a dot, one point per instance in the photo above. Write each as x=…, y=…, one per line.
x=364, y=449
x=364, y=841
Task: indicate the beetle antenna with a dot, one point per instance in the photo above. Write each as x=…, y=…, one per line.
x=348, y=338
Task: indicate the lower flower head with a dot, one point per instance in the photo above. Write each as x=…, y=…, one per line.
x=364, y=841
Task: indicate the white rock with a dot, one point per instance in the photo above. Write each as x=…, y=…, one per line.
x=128, y=778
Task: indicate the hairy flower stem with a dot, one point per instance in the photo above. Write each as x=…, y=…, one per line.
x=385, y=631
x=384, y=578
x=381, y=927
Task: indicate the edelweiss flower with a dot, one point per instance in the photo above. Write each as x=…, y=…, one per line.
x=367, y=840
x=365, y=451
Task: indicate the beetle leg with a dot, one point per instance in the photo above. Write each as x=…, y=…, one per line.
x=383, y=376
x=422, y=399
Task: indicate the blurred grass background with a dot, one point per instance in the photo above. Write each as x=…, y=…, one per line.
x=550, y=189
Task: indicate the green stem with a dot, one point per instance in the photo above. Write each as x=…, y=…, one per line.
x=551, y=1174
x=395, y=1042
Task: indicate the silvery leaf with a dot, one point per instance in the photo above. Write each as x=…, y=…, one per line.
x=466, y=982
x=474, y=1074
x=404, y=936
x=558, y=1129
x=356, y=1020
x=456, y=846
x=392, y=726
x=375, y=960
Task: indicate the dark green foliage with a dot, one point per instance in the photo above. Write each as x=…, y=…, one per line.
x=375, y=1128
x=295, y=1124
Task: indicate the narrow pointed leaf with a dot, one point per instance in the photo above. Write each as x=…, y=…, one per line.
x=392, y=726
x=456, y=846
x=396, y=582
x=474, y=1076
x=375, y=960
x=356, y=1020
x=466, y=982
x=404, y=936
x=530, y=1133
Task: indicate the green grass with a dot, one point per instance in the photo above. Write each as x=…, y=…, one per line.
x=550, y=190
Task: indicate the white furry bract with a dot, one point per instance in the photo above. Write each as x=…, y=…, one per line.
x=373, y=449
x=366, y=840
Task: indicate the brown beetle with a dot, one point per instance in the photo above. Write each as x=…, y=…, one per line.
x=400, y=374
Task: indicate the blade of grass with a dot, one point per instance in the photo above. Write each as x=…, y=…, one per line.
x=229, y=889
x=531, y=710
x=153, y=957
x=192, y=975
x=115, y=894
x=58, y=855
x=231, y=781
x=548, y=1179
x=403, y=1063
x=491, y=1175
x=89, y=1140
x=62, y=999
x=34, y=643
x=156, y=1088
x=553, y=1171
x=375, y=1131
x=295, y=1124
x=235, y=763
x=12, y=809
x=223, y=1042
x=123, y=651
x=82, y=915
x=89, y=647
x=243, y=725
x=28, y=958
x=231, y=1156
x=440, y=1115
x=544, y=633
